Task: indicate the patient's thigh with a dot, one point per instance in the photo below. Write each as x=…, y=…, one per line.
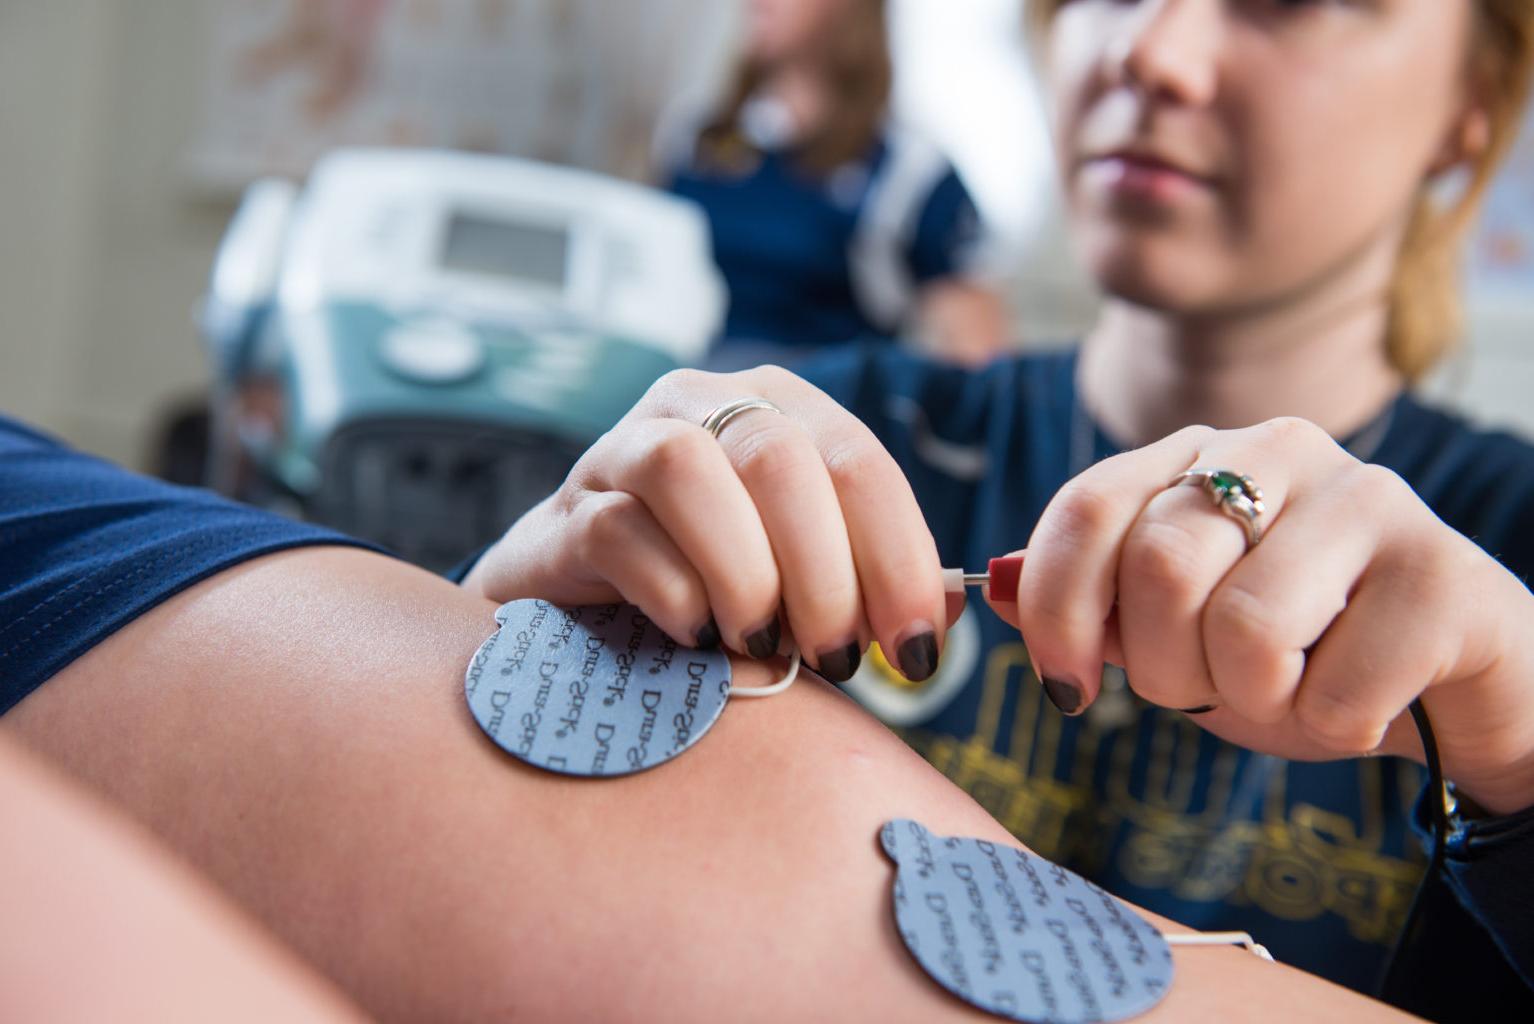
x=297, y=728
x=87, y=897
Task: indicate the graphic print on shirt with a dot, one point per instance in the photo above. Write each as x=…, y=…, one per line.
x=1228, y=835
x=1319, y=860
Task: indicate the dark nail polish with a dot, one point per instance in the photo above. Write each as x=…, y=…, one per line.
x=764, y=642
x=837, y=666
x=1202, y=709
x=918, y=657
x=1064, y=695
x=707, y=637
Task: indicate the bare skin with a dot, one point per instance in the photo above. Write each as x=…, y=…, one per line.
x=1239, y=177
x=87, y=893
x=295, y=728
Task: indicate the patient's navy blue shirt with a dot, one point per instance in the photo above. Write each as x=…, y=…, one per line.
x=1318, y=861
x=86, y=548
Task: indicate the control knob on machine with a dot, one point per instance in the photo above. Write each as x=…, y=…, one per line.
x=435, y=351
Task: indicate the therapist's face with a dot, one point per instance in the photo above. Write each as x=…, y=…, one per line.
x=1225, y=154
x=784, y=30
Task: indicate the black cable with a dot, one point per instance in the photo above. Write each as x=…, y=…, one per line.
x=1395, y=979
x=1438, y=793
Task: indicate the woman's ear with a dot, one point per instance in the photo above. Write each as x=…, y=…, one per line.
x=1467, y=141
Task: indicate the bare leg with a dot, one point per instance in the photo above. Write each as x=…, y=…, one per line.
x=296, y=727
x=100, y=924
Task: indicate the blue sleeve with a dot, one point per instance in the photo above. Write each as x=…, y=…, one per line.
x=948, y=232
x=1489, y=867
x=1470, y=940
x=87, y=547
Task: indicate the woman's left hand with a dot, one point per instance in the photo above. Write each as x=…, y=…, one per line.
x=1310, y=645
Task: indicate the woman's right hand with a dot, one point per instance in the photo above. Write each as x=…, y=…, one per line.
x=802, y=514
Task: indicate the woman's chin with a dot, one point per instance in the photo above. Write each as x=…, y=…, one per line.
x=1142, y=286
x=1168, y=266
x=1154, y=277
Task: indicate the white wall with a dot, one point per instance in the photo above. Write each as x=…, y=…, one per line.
x=104, y=246
x=1491, y=379
x=102, y=256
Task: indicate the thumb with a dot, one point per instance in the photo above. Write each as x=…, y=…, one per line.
x=1070, y=694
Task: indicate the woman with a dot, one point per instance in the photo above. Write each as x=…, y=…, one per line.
x=1253, y=184
x=829, y=223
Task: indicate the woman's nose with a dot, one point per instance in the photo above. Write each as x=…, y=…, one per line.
x=1169, y=49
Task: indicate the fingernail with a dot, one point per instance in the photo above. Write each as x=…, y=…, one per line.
x=764, y=642
x=837, y=666
x=918, y=656
x=1202, y=709
x=707, y=637
x=1064, y=695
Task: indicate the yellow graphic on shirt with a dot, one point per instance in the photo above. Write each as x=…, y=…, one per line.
x=1297, y=865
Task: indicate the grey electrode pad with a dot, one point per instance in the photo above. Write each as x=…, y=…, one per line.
x=1018, y=936
x=592, y=691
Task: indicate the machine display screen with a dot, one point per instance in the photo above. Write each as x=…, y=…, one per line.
x=504, y=248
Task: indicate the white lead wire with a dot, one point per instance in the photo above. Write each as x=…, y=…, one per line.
x=1219, y=939
x=775, y=688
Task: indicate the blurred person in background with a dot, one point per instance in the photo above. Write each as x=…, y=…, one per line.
x=830, y=221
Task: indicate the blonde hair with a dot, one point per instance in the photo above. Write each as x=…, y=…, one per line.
x=1425, y=311
x=858, y=78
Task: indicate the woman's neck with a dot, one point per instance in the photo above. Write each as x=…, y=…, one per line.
x=1145, y=374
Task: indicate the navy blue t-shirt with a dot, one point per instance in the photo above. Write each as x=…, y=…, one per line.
x=87, y=547
x=817, y=260
x=1318, y=861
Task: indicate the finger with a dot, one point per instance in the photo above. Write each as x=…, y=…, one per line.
x=1005, y=608
x=1069, y=582
x=1279, y=600
x=788, y=481
x=895, y=557
x=622, y=542
x=1174, y=558
x=898, y=571
x=685, y=480
x=1179, y=555
x=1360, y=678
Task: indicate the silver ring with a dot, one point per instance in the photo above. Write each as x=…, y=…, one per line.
x=715, y=421
x=1235, y=494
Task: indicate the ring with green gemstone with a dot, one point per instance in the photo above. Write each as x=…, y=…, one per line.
x=1235, y=494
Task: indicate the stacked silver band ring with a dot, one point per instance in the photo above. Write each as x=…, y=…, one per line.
x=715, y=421
x=1235, y=494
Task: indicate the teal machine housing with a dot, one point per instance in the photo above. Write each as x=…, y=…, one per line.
x=418, y=346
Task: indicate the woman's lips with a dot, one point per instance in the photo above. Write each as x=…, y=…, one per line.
x=1143, y=179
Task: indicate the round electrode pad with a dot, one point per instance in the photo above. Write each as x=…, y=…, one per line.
x=1018, y=936
x=592, y=691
